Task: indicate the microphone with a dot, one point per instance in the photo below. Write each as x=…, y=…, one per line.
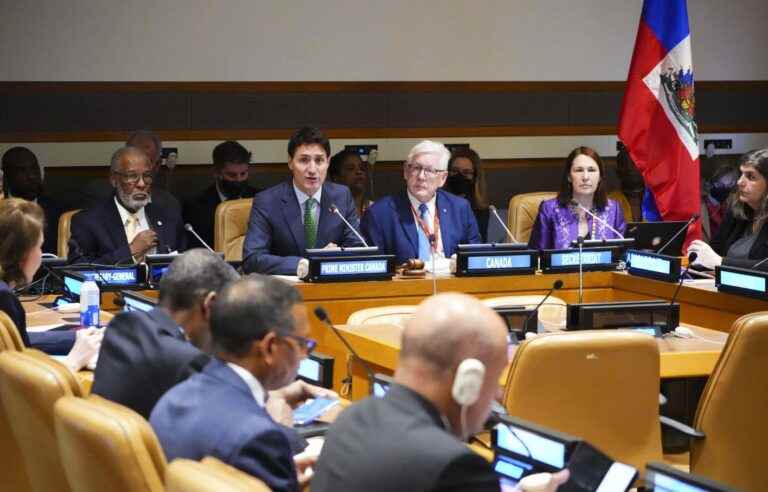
x=335, y=210
x=188, y=227
x=754, y=267
x=322, y=315
x=693, y=219
x=691, y=258
x=496, y=214
x=580, y=242
x=556, y=285
x=595, y=217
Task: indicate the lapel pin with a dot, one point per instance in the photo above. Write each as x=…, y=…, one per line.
x=159, y=222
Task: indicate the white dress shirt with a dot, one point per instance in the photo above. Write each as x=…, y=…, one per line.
x=250, y=380
x=430, y=221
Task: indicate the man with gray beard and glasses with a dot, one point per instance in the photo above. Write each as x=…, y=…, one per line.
x=126, y=227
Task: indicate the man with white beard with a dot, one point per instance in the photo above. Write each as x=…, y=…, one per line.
x=126, y=227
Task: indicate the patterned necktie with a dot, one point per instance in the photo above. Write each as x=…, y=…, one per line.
x=131, y=227
x=310, y=225
x=425, y=249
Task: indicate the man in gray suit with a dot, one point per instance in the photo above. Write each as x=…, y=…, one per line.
x=452, y=354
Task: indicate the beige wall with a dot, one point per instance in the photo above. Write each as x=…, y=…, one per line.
x=337, y=40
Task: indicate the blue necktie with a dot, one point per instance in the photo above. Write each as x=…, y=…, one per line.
x=425, y=250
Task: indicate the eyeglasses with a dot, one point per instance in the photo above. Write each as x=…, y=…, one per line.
x=306, y=344
x=429, y=172
x=133, y=178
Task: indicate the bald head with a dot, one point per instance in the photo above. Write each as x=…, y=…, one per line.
x=449, y=328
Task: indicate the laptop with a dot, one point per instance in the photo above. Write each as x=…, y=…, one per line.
x=653, y=235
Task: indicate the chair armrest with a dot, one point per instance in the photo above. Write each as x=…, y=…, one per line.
x=681, y=427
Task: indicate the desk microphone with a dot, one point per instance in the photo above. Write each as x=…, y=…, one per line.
x=597, y=218
x=188, y=227
x=693, y=219
x=496, y=214
x=754, y=267
x=580, y=242
x=556, y=285
x=322, y=315
x=691, y=258
x=335, y=210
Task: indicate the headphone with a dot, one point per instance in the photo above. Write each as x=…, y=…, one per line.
x=467, y=382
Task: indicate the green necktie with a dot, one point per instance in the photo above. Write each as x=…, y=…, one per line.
x=310, y=226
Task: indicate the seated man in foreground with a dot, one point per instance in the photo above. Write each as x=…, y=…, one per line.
x=260, y=329
x=145, y=354
x=452, y=353
x=296, y=215
x=423, y=219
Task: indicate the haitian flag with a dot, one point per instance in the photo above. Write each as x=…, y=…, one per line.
x=657, y=114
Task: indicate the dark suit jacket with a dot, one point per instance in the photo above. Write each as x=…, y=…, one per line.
x=731, y=230
x=51, y=233
x=213, y=413
x=397, y=443
x=98, y=235
x=142, y=356
x=50, y=342
x=200, y=211
x=389, y=224
x=275, y=239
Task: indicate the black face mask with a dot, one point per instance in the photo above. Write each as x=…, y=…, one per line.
x=233, y=189
x=720, y=189
x=459, y=185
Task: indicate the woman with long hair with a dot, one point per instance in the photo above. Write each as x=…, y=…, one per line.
x=466, y=178
x=742, y=239
x=582, y=187
x=21, y=240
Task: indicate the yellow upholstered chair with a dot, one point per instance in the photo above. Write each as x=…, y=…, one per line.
x=551, y=315
x=12, y=469
x=30, y=384
x=384, y=315
x=621, y=198
x=601, y=386
x=10, y=339
x=230, y=226
x=733, y=408
x=105, y=446
x=65, y=221
x=210, y=475
x=522, y=212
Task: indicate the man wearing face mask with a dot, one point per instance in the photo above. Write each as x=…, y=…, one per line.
x=230, y=172
x=24, y=179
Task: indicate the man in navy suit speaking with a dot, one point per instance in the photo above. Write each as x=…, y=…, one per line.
x=422, y=220
x=293, y=216
x=128, y=225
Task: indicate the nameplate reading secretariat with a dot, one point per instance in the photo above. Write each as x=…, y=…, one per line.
x=351, y=268
x=568, y=260
x=653, y=265
x=496, y=263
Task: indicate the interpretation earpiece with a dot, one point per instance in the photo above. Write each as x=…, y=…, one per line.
x=467, y=382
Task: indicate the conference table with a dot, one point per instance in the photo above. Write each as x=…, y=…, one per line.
x=706, y=311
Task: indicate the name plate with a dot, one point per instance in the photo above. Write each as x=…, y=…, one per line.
x=591, y=259
x=499, y=262
x=350, y=268
x=653, y=265
x=113, y=278
x=741, y=281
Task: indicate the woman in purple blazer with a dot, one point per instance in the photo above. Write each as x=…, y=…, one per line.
x=564, y=218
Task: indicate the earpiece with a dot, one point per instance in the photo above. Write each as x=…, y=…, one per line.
x=467, y=382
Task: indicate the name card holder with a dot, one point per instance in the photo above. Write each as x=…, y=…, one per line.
x=653, y=265
x=344, y=267
x=113, y=278
x=567, y=260
x=741, y=281
x=495, y=259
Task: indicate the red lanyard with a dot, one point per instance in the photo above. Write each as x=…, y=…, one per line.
x=425, y=227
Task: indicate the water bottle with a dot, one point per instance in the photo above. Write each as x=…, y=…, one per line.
x=89, y=304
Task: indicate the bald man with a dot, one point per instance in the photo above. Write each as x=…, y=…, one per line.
x=413, y=438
